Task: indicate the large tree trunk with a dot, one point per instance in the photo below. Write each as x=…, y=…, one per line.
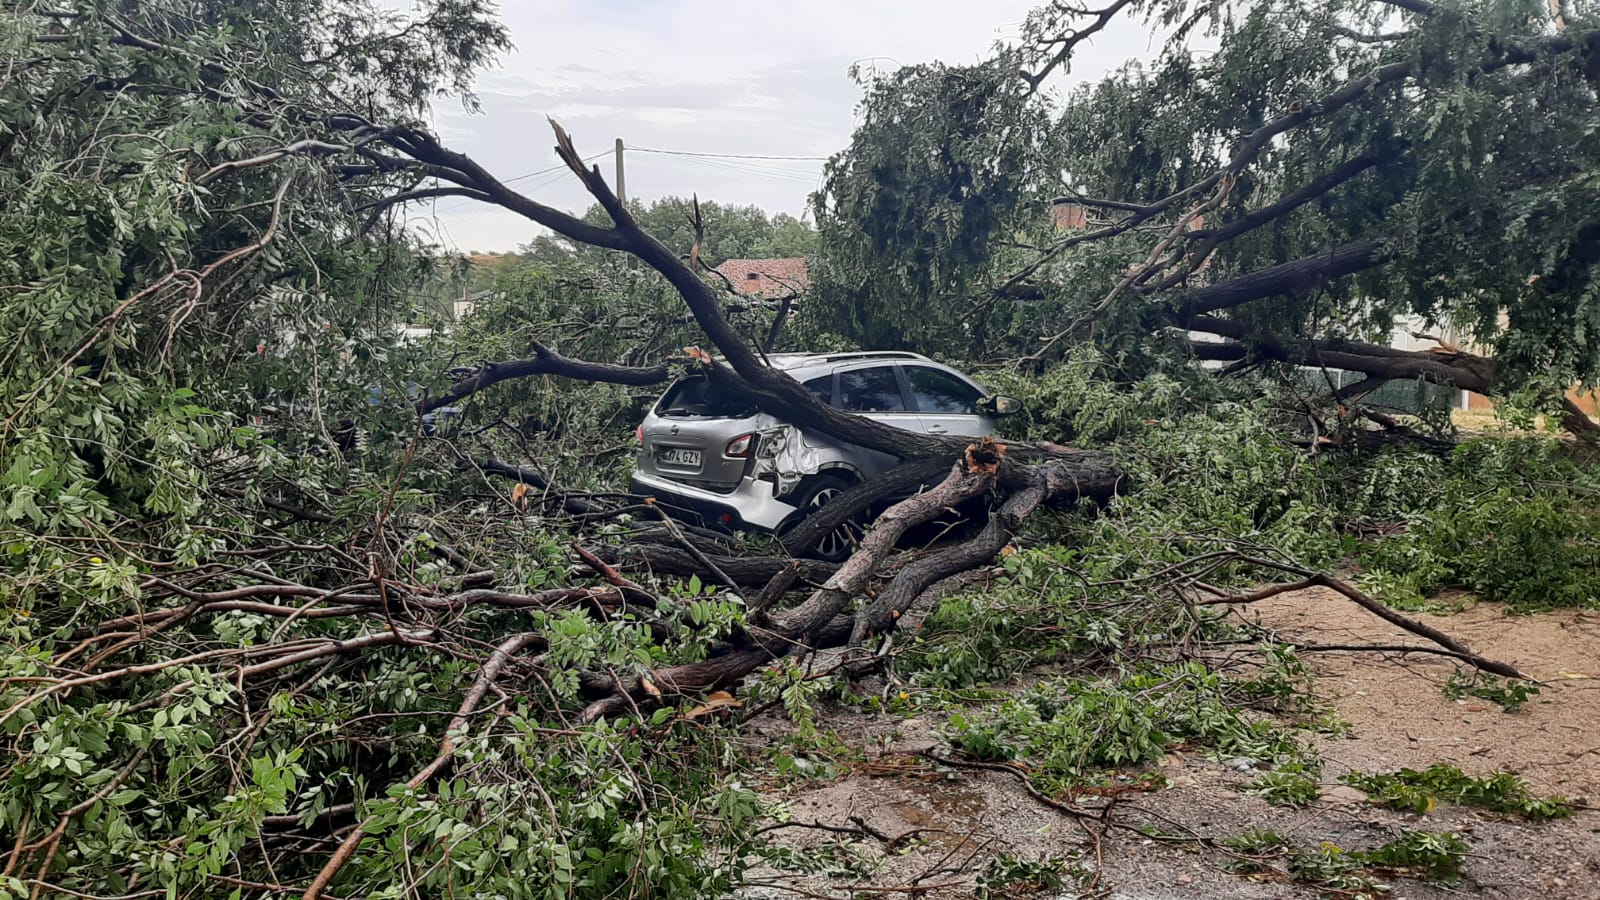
x=823, y=619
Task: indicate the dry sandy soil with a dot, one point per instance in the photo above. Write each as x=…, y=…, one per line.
x=1399, y=718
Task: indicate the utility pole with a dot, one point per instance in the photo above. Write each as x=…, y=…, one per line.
x=622, y=191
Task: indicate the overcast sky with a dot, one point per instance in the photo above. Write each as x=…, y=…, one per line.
x=701, y=77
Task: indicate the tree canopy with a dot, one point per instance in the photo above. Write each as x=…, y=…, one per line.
x=1289, y=177
x=170, y=229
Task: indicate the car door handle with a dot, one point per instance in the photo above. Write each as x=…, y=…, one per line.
x=936, y=429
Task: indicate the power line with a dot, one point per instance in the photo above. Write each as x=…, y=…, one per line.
x=725, y=155
x=708, y=159
x=555, y=167
x=796, y=177
x=562, y=166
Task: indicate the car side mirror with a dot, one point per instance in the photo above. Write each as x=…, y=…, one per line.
x=1000, y=405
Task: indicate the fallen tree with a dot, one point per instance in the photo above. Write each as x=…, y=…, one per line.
x=274, y=661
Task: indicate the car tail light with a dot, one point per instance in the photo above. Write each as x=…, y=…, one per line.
x=638, y=434
x=739, y=447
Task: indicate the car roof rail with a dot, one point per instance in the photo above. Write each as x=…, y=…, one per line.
x=868, y=354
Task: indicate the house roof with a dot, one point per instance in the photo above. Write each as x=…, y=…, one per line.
x=766, y=276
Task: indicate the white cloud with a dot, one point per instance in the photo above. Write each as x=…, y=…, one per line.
x=705, y=76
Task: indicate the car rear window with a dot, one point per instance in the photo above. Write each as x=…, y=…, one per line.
x=821, y=388
x=695, y=396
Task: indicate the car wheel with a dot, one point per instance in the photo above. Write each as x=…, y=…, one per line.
x=817, y=492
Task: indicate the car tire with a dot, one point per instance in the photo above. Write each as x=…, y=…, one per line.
x=814, y=493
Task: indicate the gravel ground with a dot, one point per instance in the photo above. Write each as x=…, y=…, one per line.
x=951, y=822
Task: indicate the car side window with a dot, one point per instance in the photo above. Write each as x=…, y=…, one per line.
x=821, y=388
x=935, y=391
x=870, y=390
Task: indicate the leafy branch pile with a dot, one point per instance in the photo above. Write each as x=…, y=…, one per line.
x=269, y=629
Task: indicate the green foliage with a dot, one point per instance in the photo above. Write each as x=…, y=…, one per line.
x=1509, y=695
x=612, y=810
x=834, y=859
x=1427, y=855
x=1420, y=792
x=1511, y=519
x=1287, y=787
x=1009, y=876
x=1508, y=516
x=943, y=192
x=204, y=386
x=1068, y=729
x=1430, y=855
x=1044, y=611
x=151, y=309
x=934, y=179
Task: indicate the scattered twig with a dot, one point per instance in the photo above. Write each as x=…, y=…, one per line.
x=694, y=551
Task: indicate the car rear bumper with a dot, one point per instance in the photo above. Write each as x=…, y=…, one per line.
x=750, y=505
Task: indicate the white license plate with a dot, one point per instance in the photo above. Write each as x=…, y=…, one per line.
x=678, y=456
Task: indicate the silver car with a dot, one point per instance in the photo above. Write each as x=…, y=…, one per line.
x=731, y=465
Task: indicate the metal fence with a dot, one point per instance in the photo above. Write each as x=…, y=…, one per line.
x=1414, y=396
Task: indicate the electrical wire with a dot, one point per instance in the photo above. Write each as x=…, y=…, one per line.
x=725, y=155
x=743, y=163
x=795, y=177
x=561, y=167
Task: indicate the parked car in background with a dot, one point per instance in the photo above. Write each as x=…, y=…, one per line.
x=728, y=464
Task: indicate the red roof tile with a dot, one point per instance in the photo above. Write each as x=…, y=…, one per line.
x=766, y=276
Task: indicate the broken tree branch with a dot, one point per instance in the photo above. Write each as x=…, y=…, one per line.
x=487, y=675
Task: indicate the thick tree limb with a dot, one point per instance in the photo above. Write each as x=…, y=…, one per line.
x=577, y=504
x=1295, y=275
x=821, y=621
x=1462, y=370
x=1575, y=420
x=906, y=478
x=464, y=171
x=910, y=583
x=545, y=362
x=829, y=600
x=1420, y=7
x=1212, y=238
x=748, y=571
x=805, y=624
